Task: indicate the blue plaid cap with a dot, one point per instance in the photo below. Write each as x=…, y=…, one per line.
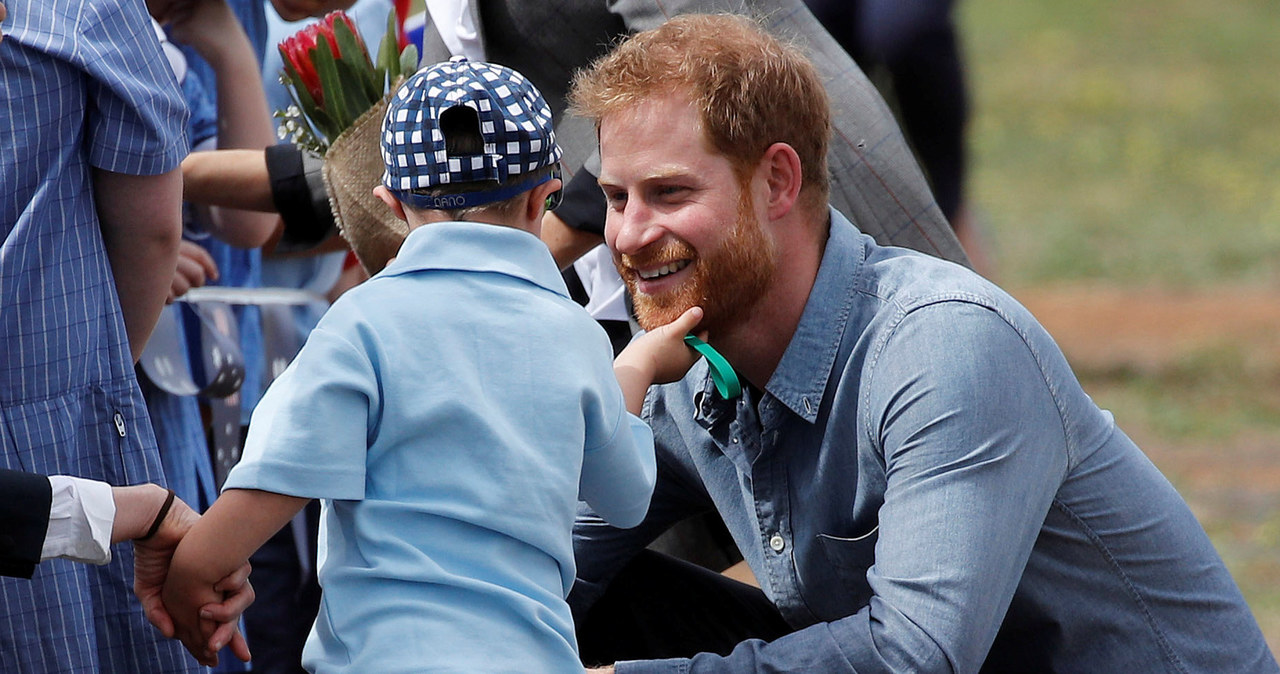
x=515, y=124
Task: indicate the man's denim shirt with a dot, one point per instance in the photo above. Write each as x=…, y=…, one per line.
x=923, y=481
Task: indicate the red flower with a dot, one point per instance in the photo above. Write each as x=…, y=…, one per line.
x=330, y=88
x=296, y=51
x=326, y=27
x=402, y=12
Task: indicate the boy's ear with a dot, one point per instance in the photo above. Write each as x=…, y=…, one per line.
x=391, y=201
x=538, y=198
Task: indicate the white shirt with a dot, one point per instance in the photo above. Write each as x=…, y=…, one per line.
x=604, y=287
x=453, y=20
x=80, y=519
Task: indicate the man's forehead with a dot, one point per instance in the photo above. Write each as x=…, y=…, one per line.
x=667, y=106
x=657, y=127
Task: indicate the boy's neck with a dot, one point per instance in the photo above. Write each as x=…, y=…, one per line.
x=422, y=218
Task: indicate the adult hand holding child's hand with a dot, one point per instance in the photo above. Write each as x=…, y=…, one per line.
x=209, y=623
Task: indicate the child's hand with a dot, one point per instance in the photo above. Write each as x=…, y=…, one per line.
x=195, y=268
x=656, y=357
x=661, y=355
x=207, y=26
x=221, y=622
x=185, y=595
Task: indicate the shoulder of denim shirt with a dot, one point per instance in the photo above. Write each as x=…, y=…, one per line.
x=906, y=279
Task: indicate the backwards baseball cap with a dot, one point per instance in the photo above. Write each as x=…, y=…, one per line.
x=515, y=126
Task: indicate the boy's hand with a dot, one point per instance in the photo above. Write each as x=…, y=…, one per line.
x=152, y=560
x=238, y=595
x=185, y=596
x=661, y=353
x=656, y=357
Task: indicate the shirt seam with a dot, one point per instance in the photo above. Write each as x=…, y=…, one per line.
x=1132, y=591
x=617, y=426
x=374, y=411
x=112, y=386
x=980, y=302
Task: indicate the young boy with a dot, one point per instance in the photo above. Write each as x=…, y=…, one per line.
x=448, y=412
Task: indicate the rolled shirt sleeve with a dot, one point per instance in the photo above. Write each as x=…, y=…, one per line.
x=81, y=515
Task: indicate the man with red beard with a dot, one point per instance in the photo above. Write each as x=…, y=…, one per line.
x=912, y=471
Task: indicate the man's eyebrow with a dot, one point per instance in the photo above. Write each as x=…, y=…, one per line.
x=657, y=174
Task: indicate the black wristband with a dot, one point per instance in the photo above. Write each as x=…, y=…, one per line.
x=298, y=192
x=164, y=510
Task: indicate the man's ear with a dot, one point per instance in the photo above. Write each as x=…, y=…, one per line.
x=781, y=167
x=391, y=201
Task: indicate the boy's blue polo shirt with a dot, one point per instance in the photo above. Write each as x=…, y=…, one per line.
x=450, y=411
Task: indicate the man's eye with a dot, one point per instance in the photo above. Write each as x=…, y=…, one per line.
x=670, y=190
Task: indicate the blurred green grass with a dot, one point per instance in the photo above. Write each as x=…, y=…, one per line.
x=1138, y=144
x=1129, y=142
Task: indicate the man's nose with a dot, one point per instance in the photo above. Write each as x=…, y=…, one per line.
x=633, y=228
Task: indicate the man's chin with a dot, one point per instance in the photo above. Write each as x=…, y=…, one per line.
x=652, y=314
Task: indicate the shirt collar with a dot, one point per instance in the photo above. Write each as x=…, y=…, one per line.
x=478, y=247
x=801, y=376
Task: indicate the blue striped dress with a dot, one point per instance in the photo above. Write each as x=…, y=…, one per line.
x=83, y=85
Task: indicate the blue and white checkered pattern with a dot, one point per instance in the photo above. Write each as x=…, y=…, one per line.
x=515, y=124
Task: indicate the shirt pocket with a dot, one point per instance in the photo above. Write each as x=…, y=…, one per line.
x=851, y=557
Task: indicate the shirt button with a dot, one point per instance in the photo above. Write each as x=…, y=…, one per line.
x=777, y=542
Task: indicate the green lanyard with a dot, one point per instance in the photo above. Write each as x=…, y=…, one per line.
x=726, y=380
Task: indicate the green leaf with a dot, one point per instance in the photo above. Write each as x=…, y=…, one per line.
x=315, y=120
x=298, y=90
x=358, y=74
x=331, y=83
x=388, y=60
x=354, y=99
x=409, y=60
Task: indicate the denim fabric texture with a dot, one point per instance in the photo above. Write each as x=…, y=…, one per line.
x=924, y=481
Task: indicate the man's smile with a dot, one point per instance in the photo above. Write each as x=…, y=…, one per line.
x=667, y=269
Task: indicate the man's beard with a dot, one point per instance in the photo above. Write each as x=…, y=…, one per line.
x=726, y=282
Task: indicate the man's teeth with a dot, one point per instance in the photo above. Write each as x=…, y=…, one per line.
x=663, y=271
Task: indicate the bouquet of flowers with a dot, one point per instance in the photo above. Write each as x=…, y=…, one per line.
x=332, y=80
x=339, y=98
